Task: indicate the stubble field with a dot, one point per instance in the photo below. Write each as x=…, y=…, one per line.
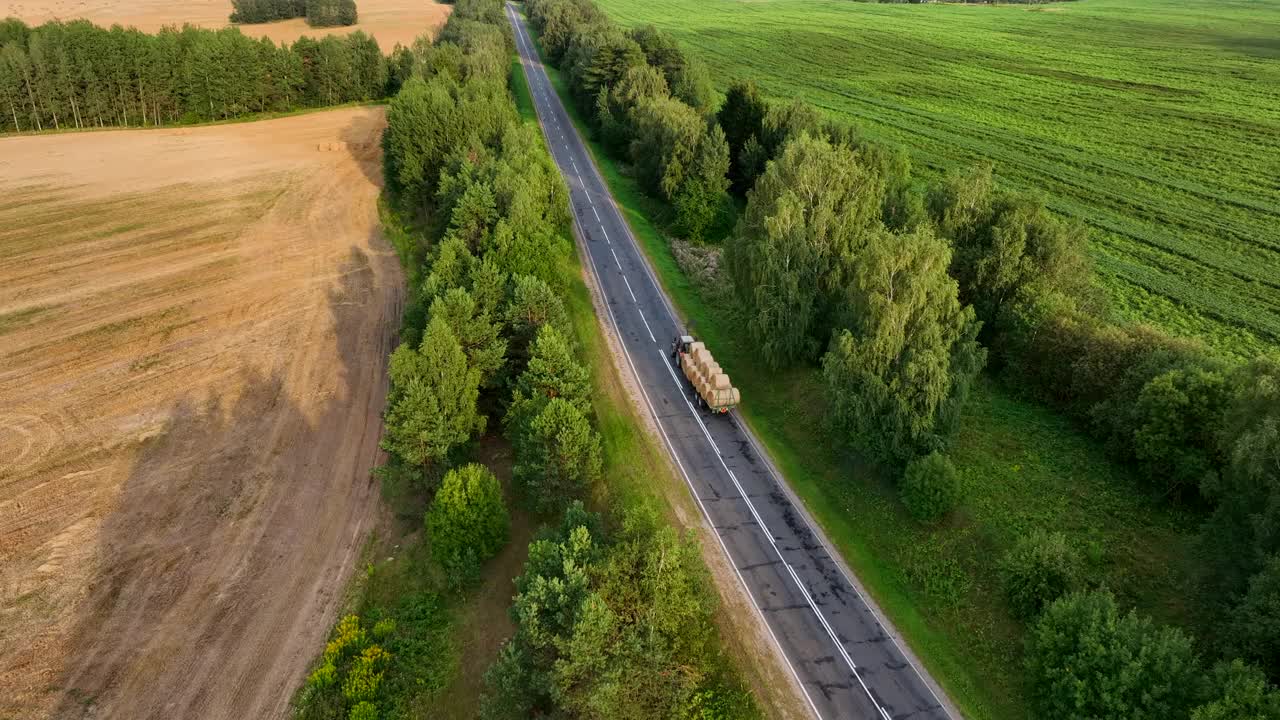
x=389, y=21
x=193, y=330
x=1157, y=122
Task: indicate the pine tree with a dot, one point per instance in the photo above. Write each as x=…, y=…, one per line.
x=432, y=408
x=557, y=456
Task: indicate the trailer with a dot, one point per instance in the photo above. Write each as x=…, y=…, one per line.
x=710, y=384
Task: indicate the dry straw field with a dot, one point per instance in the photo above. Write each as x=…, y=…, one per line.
x=389, y=21
x=193, y=328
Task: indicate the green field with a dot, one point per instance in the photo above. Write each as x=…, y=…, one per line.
x=1155, y=121
x=1022, y=466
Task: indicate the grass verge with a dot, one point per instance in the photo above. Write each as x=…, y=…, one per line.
x=1023, y=467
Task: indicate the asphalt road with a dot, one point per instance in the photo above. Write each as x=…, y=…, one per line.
x=847, y=660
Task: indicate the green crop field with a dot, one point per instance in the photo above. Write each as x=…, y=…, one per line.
x=1157, y=122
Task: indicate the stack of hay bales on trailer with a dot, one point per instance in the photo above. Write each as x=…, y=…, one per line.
x=704, y=373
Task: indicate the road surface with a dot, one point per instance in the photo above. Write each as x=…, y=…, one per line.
x=846, y=661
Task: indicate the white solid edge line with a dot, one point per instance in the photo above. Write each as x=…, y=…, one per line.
x=734, y=478
x=671, y=452
x=675, y=456
x=759, y=521
x=774, y=544
x=751, y=438
x=837, y=561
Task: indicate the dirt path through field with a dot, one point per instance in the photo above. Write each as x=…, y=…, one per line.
x=193, y=332
x=389, y=21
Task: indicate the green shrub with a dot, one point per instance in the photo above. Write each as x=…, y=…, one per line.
x=383, y=628
x=363, y=710
x=365, y=675
x=1239, y=691
x=402, y=482
x=1086, y=660
x=930, y=487
x=1041, y=568
x=322, y=677
x=1253, y=626
x=467, y=522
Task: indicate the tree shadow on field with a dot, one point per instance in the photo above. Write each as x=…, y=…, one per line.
x=362, y=138
x=227, y=540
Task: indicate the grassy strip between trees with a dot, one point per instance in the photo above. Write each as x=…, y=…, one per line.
x=1020, y=466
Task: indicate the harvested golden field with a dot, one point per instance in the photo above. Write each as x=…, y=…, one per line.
x=193, y=330
x=390, y=21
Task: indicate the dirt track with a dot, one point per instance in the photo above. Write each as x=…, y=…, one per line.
x=390, y=21
x=193, y=330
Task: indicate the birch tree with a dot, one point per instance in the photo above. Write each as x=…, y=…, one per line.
x=898, y=376
x=812, y=207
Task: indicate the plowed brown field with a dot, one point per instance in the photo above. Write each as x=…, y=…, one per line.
x=193, y=331
x=390, y=21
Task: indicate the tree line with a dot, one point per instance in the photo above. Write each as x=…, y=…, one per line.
x=319, y=13
x=78, y=75
x=651, y=103
x=613, y=611
x=900, y=292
